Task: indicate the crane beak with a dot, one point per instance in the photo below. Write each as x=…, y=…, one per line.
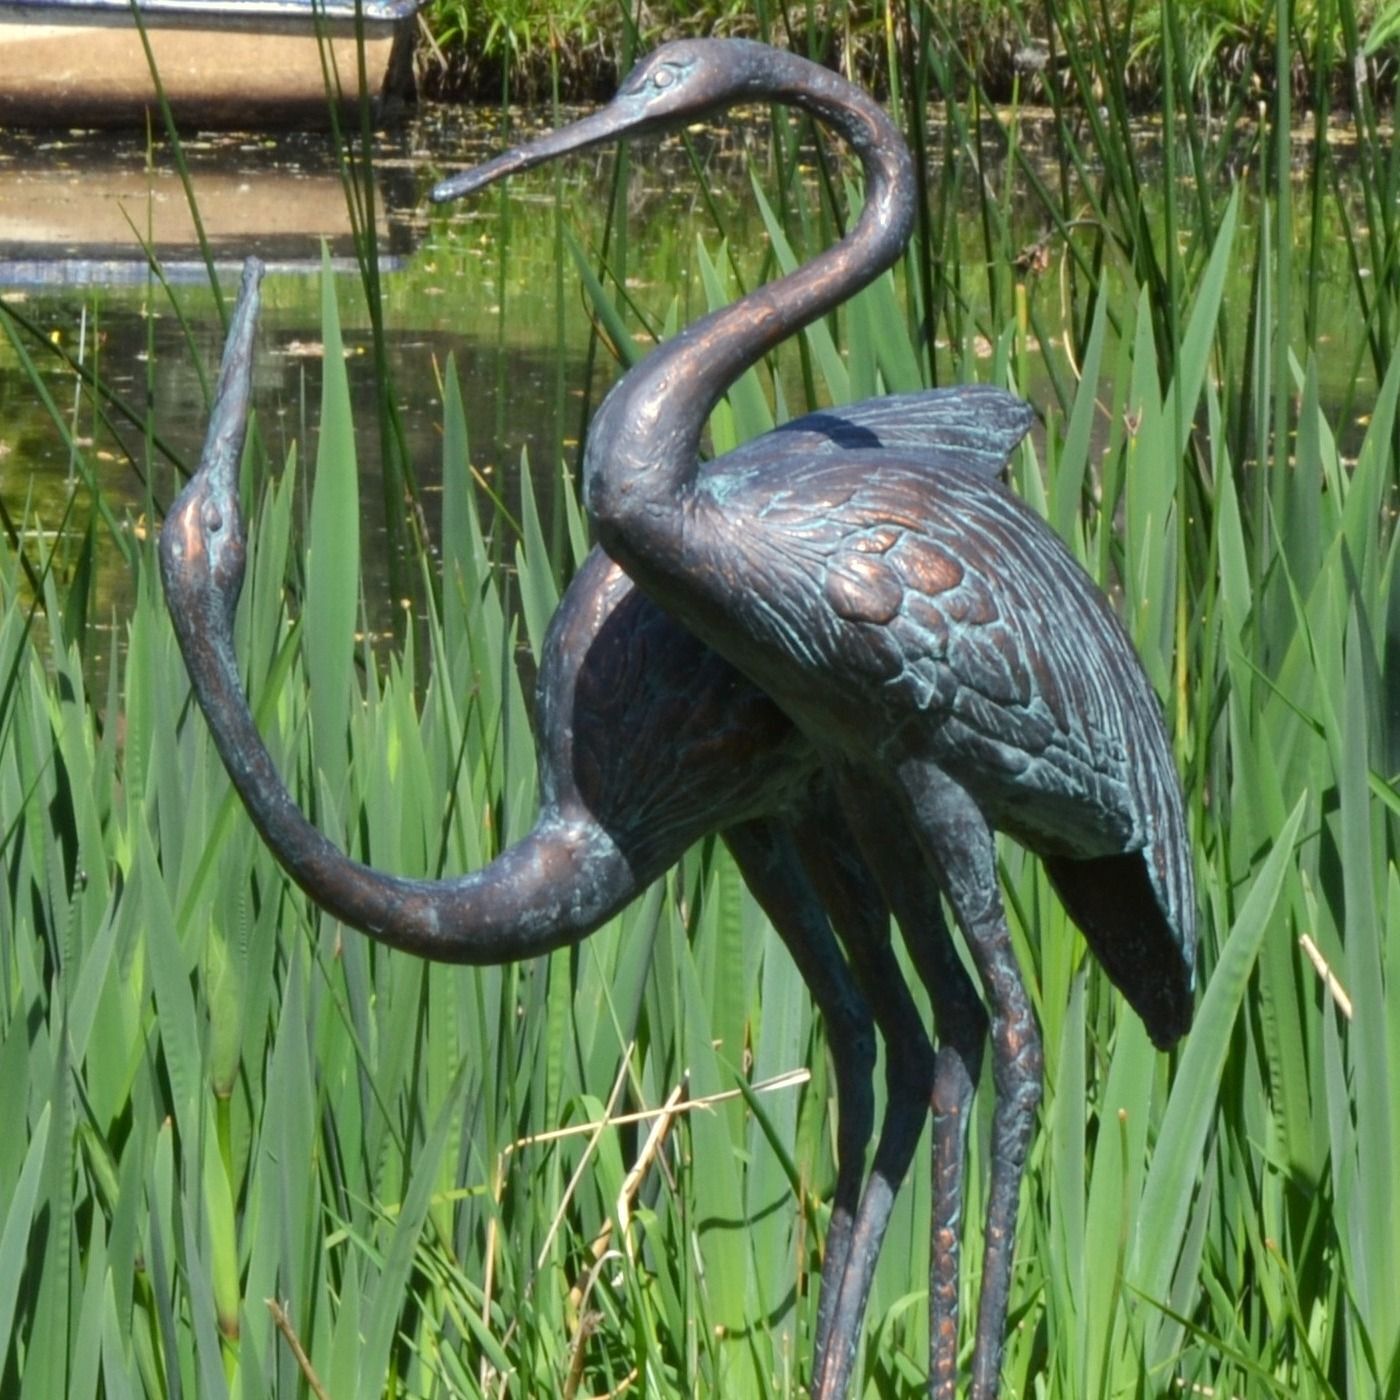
x=609, y=124
x=201, y=540
x=228, y=418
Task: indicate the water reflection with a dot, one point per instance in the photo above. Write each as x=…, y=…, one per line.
x=83, y=193
x=487, y=283
x=75, y=212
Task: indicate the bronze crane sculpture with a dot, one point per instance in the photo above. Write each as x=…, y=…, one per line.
x=954, y=667
x=705, y=752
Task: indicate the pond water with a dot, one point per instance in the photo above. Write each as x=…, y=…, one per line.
x=485, y=282
x=479, y=283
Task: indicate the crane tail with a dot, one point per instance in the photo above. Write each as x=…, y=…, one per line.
x=1143, y=946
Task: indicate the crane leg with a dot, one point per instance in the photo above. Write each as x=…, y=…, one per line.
x=861, y=916
x=773, y=871
x=959, y=844
x=960, y=1022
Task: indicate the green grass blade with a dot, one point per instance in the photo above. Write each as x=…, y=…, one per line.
x=1187, y=1121
x=391, y=1287
x=19, y=1220
x=333, y=548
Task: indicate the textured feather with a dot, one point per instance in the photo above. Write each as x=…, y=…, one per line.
x=943, y=595
x=973, y=427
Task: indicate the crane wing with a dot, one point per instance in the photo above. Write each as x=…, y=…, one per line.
x=945, y=595
x=974, y=426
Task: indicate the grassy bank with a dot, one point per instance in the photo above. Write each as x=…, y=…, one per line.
x=478, y=49
x=250, y=1153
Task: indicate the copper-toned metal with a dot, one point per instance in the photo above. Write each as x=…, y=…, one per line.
x=965, y=675
x=647, y=742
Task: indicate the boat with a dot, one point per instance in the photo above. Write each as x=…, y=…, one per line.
x=222, y=63
x=97, y=206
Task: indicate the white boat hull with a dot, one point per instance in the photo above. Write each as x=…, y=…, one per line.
x=220, y=66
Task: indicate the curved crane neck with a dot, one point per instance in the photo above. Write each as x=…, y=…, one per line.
x=550, y=889
x=643, y=449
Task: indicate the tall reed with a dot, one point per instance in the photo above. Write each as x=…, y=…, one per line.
x=222, y=1101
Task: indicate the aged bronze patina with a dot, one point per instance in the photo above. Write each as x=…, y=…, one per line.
x=954, y=668
x=647, y=742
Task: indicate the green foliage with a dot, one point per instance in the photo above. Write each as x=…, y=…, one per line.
x=1217, y=45
x=515, y=29
x=218, y=1097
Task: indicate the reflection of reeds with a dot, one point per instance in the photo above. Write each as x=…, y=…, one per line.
x=215, y=1096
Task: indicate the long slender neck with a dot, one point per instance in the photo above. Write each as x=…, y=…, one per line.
x=551, y=888
x=643, y=449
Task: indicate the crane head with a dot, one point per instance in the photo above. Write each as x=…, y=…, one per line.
x=202, y=550
x=677, y=83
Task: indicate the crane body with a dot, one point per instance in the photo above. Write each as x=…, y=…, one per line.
x=950, y=662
